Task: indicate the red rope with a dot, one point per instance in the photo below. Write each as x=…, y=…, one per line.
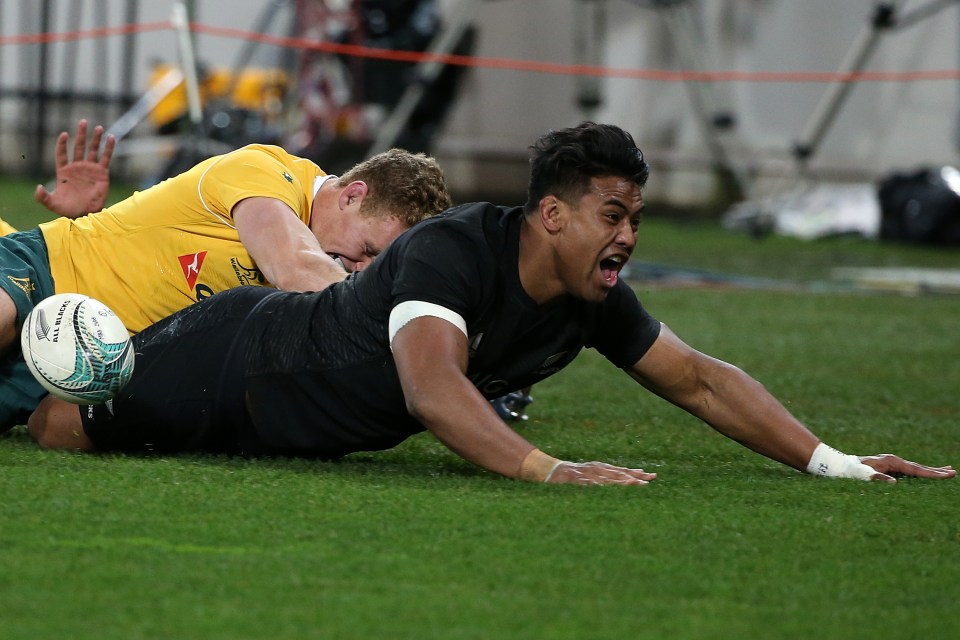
x=100, y=32
x=658, y=75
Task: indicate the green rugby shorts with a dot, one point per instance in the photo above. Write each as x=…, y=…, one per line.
x=25, y=277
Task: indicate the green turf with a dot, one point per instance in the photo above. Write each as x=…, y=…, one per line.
x=416, y=543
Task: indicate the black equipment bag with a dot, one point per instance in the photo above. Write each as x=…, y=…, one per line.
x=921, y=207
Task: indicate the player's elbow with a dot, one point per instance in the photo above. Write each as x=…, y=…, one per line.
x=306, y=281
x=428, y=405
x=303, y=271
x=55, y=424
x=419, y=406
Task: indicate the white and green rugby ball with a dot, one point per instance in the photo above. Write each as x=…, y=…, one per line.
x=77, y=348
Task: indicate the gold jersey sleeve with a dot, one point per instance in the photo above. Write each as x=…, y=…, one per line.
x=170, y=245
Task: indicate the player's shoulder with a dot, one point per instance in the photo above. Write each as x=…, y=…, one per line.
x=257, y=148
x=474, y=211
x=478, y=219
x=462, y=224
x=268, y=153
x=469, y=225
x=266, y=164
x=473, y=236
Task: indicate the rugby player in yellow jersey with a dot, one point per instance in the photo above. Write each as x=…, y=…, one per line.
x=254, y=216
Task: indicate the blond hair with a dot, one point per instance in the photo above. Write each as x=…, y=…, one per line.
x=408, y=186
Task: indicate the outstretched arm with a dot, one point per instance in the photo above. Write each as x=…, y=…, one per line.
x=431, y=357
x=81, y=184
x=739, y=407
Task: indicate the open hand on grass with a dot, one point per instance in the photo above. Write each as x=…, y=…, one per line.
x=81, y=184
x=598, y=473
x=889, y=467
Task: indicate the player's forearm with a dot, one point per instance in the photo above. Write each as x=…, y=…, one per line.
x=466, y=423
x=304, y=271
x=739, y=407
x=431, y=354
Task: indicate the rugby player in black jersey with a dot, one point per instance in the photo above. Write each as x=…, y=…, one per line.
x=465, y=307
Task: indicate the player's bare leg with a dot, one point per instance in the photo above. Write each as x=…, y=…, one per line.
x=8, y=322
x=56, y=425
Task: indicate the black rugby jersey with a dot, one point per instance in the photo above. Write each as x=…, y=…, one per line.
x=319, y=374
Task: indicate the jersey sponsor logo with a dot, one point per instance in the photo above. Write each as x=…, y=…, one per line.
x=287, y=177
x=203, y=291
x=247, y=275
x=24, y=284
x=190, y=264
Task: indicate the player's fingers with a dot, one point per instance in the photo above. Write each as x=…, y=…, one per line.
x=108, y=148
x=889, y=463
x=94, y=147
x=923, y=471
x=593, y=480
x=916, y=466
x=80, y=141
x=41, y=195
x=882, y=477
x=599, y=473
x=60, y=150
x=630, y=476
x=634, y=473
x=625, y=479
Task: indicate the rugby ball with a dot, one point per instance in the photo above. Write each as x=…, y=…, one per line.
x=77, y=348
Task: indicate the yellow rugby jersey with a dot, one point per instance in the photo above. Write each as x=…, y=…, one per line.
x=166, y=247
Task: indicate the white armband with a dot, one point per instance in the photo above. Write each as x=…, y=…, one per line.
x=830, y=463
x=404, y=312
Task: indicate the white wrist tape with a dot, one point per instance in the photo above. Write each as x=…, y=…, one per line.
x=830, y=463
x=552, y=470
x=537, y=466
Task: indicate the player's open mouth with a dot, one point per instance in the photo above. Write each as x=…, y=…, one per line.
x=610, y=268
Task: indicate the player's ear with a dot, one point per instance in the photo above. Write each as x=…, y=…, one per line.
x=551, y=213
x=353, y=194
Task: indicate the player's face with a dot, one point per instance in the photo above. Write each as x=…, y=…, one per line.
x=360, y=239
x=598, y=237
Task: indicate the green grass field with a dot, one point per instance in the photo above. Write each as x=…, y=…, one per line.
x=416, y=543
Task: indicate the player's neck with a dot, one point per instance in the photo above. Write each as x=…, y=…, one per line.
x=323, y=207
x=536, y=266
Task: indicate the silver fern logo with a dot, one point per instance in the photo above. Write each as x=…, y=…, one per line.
x=42, y=326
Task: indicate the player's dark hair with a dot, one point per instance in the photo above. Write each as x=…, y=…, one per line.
x=409, y=186
x=562, y=162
